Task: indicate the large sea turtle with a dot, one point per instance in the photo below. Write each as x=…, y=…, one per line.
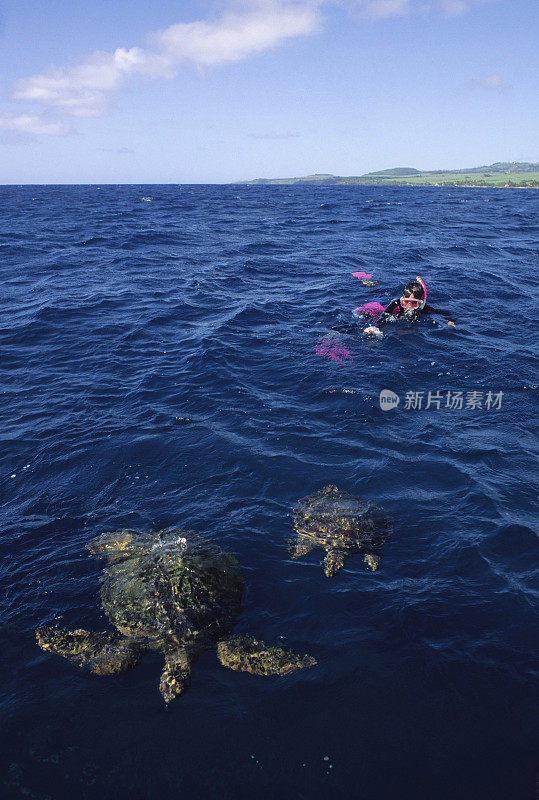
x=172, y=591
x=342, y=524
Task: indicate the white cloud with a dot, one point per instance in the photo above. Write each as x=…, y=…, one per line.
x=382, y=9
x=236, y=36
x=121, y=151
x=454, y=7
x=491, y=83
x=249, y=27
x=32, y=124
x=84, y=90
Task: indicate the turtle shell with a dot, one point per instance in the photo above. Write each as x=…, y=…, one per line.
x=171, y=585
x=336, y=518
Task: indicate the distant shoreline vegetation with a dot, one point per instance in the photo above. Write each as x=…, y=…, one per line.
x=506, y=175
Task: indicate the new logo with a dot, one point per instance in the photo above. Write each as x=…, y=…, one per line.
x=388, y=400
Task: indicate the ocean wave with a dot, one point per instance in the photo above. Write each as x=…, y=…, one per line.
x=160, y=365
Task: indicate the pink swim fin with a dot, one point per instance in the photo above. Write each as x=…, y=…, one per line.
x=369, y=310
x=363, y=276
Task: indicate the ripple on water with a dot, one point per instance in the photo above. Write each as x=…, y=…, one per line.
x=159, y=367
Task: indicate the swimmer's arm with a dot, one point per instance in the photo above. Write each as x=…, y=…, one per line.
x=389, y=311
x=430, y=310
x=375, y=330
x=345, y=327
x=384, y=318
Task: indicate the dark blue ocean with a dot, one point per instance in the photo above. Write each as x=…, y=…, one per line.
x=167, y=359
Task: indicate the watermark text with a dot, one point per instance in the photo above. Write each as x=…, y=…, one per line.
x=435, y=400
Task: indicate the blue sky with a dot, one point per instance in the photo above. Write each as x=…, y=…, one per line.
x=195, y=92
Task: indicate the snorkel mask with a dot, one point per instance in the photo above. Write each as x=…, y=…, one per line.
x=412, y=304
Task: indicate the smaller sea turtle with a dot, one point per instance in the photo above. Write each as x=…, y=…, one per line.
x=342, y=524
x=171, y=591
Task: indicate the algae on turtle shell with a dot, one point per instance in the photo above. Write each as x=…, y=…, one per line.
x=342, y=525
x=171, y=591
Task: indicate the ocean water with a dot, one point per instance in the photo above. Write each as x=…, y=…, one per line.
x=167, y=358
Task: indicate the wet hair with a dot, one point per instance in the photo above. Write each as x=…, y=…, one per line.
x=414, y=288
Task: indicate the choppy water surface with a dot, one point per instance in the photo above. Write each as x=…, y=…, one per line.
x=163, y=363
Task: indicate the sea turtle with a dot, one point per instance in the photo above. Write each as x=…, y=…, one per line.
x=172, y=591
x=342, y=524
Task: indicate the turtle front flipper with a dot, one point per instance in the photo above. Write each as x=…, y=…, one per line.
x=176, y=676
x=302, y=545
x=103, y=653
x=250, y=655
x=334, y=561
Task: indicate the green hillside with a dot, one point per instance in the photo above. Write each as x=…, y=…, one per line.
x=506, y=174
x=397, y=172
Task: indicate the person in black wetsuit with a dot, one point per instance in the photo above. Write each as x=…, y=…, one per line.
x=411, y=305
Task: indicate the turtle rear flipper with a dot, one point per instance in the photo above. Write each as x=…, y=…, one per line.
x=250, y=655
x=176, y=676
x=103, y=653
x=372, y=560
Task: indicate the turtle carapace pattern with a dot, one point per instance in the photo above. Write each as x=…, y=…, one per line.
x=342, y=525
x=171, y=591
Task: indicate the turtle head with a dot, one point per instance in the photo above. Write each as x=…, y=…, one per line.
x=115, y=545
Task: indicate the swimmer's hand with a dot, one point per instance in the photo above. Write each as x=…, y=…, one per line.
x=372, y=330
x=452, y=324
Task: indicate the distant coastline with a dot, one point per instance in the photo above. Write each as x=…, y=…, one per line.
x=508, y=175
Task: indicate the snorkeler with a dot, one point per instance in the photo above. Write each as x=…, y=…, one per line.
x=410, y=306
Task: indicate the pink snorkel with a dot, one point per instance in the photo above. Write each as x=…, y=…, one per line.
x=423, y=302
